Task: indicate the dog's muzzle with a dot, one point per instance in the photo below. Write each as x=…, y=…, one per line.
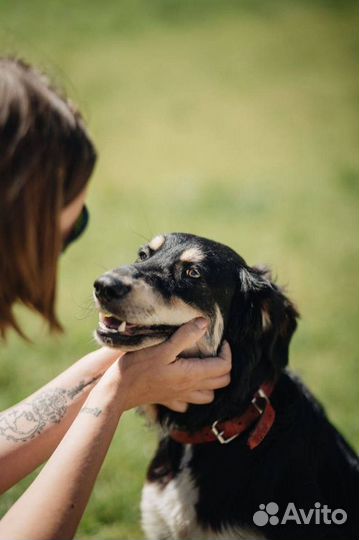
x=109, y=288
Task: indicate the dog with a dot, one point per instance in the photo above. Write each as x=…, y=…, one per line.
x=264, y=445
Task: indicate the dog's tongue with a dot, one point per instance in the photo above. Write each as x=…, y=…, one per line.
x=112, y=322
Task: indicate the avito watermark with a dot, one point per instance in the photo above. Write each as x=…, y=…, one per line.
x=318, y=515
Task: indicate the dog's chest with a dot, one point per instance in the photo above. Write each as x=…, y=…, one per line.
x=169, y=511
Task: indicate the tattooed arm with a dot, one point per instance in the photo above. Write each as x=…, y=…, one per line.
x=52, y=506
x=31, y=430
x=54, y=503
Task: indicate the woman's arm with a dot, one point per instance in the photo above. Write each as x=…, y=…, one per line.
x=32, y=429
x=53, y=505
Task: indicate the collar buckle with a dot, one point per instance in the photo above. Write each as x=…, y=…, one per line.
x=260, y=401
x=219, y=434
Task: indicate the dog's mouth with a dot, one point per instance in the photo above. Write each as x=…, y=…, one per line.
x=114, y=331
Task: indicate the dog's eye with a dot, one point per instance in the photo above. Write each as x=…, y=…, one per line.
x=193, y=272
x=143, y=255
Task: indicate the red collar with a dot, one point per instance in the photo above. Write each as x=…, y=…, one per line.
x=224, y=432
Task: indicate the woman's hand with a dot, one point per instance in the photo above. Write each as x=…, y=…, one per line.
x=156, y=375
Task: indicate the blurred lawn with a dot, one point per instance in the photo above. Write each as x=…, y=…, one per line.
x=233, y=120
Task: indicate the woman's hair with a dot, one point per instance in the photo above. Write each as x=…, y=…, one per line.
x=46, y=159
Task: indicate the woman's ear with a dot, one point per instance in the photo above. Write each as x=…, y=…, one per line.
x=259, y=329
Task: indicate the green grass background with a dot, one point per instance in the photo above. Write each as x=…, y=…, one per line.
x=236, y=120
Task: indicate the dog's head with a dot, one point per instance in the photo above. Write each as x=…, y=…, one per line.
x=181, y=276
x=176, y=278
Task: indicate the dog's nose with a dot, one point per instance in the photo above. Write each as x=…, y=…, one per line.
x=108, y=287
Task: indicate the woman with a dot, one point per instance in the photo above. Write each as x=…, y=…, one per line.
x=46, y=160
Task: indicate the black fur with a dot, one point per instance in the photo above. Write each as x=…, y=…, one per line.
x=258, y=355
x=303, y=459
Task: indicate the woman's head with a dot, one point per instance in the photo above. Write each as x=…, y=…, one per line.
x=46, y=159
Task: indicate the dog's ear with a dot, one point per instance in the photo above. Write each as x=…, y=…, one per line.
x=260, y=325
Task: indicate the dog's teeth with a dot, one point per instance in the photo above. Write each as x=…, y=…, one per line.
x=122, y=327
x=106, y=328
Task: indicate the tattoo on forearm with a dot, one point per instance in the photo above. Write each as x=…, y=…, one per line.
x=28, y=419
x=95, y=411
x=81, y=386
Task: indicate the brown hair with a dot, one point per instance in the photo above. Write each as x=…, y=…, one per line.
x=46, y=159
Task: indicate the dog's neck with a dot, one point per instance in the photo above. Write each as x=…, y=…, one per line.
x=203, y=348
x=229, y=402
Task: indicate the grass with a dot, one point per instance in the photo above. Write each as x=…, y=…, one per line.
x=230, y=120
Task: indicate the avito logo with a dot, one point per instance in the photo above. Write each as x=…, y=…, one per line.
x=267, y=513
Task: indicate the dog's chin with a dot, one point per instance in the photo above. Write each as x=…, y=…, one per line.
x=135, y=342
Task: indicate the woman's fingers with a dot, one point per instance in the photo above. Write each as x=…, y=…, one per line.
x=216, y=382
x=176, y=405
x=151, y=376
x=197, y=397
x=186, y=336
x=208, y=368
x=200, y=397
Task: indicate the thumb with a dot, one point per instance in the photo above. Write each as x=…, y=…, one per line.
x=186, y=336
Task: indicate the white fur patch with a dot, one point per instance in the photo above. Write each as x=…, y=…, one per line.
x=192, y=255
x=217, y=331
x=169, y=512
x=157, y=242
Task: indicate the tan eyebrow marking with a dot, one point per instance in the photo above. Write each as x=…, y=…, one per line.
x=192, y=255
x=157, y=242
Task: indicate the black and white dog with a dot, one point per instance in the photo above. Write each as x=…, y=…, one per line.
x=262, y=460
